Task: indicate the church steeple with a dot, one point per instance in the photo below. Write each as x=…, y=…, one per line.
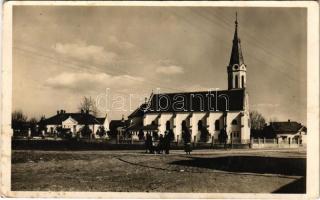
x=236, y=67
x=236, y=53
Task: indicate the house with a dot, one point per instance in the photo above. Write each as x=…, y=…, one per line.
x=73, y=123
x=118, y=127
x=203, y=113
x=288, y=131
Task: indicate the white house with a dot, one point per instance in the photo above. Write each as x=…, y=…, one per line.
x=289, y=131
x=215, y=111
x=74, y=122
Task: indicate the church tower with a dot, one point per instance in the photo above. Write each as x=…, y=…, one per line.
x=236, y=68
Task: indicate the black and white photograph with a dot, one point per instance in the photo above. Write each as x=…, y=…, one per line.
x=180, y=99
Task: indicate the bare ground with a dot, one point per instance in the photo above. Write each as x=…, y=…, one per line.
x=236, y=171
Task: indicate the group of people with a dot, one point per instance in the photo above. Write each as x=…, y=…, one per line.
x=162, y=145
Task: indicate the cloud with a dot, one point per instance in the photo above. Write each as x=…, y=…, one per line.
x=170, y=70
x=83, y=51
x=120, y=44
x=84, y=81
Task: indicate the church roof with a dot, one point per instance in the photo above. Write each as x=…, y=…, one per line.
x=139, y=112
x=197, y=101
x=236, y=53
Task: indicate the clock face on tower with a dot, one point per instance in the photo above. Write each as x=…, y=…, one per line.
x=235, y=67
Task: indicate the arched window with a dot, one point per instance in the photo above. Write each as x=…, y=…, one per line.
x=242, y=81
x=168, y=125
x=217, y=125
x=184, y=124
x=230, y=81
x=236, y=81
x=199, y=125
x=234, y=122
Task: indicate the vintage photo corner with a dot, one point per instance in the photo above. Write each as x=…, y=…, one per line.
x=160, y=99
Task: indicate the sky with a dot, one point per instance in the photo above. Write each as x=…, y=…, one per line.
x=119, y=55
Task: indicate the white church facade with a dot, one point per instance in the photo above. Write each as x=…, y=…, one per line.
x=218, y=111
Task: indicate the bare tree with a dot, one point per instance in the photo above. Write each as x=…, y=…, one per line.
x=33, y=120
x=18, y=119
x=257, y=120
x=87, y=104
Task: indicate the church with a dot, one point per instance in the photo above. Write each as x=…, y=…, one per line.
x=209, y=112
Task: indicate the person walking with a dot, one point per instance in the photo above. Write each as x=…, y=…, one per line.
x=160, y=144
x=187, y=141
x=148, y=143
x=167, y=142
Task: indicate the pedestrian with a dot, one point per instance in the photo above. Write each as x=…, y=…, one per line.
x=187, y=142
x=148, y=143
x=160, y=144
x=167, y=142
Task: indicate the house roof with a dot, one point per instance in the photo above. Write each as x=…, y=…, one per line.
x=150, y=127
x=81, y=118
x=286, y=127
x=100, y=119
x=139, y=112
x=135, y=126
x=114, y=124
x=192, y=101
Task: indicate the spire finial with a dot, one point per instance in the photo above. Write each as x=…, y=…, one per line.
x=236, y=22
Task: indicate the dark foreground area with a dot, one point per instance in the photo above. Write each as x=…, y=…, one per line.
x=214, y=171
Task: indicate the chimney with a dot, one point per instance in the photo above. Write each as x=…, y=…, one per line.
x=61, y=111
x=81, y=111
x=122, y=118
x=58, y=112
x=288, y=120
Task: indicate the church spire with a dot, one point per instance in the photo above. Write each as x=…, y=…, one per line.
x=236, y=53
x=236, y=68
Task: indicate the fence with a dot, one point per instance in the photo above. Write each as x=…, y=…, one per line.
x=132, y=143
x=275, y=143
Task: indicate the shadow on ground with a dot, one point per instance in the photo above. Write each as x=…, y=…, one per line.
x=297, y=186
x=249, y=164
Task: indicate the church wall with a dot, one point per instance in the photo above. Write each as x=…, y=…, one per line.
x=163, y=120
x=178, y=124
x=233, y=128
x=245, y=129
x=241, y=128
x=148, y=118
x=211, y=122
x=196, y=116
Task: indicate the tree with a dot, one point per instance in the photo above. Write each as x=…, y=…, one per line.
x=33, y=124
x=257, y=121
x=141, y=134
x=88, y=105
x=42, y=125
x=101, y=131
x=223, y=137
x=18, y=120
x=86, y=131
